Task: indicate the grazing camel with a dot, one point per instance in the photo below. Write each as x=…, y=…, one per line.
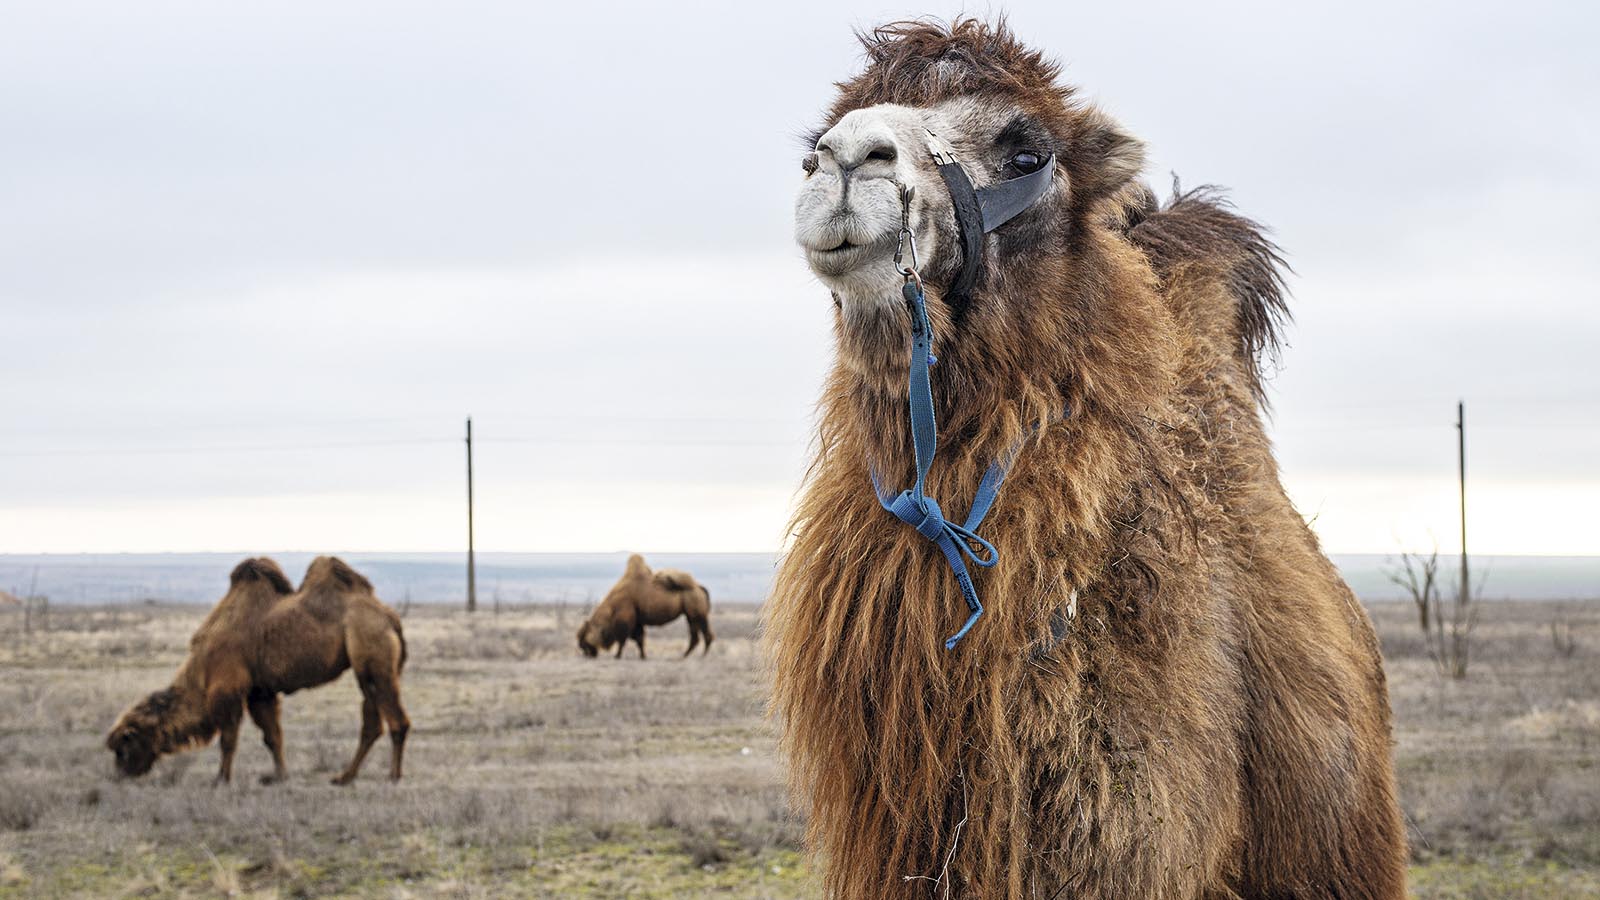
x=1169, y=692
x=264, y=639
x=641, y=598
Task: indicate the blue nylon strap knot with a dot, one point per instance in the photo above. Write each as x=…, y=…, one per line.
x=958, y=543
x=929, y=522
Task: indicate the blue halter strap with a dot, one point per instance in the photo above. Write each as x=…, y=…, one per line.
x=978, y=212
x=913, y=506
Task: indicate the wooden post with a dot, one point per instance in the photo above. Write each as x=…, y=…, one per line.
x=472, y=563
x=1461, y=473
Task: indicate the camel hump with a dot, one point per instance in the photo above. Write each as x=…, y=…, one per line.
x=675, y=580
x=636, y=566
x=333, y=573
x=1200, y=226
x=260, y=570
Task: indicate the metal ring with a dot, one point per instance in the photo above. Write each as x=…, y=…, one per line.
x=911, y=276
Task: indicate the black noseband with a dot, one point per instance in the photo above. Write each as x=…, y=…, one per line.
x=982, y=210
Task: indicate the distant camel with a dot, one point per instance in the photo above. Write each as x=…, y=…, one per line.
x=264, y=639
x=643, y=598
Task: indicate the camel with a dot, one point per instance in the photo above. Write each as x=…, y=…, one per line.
x=264, y=639
x=1169, y=692
x=642, y=597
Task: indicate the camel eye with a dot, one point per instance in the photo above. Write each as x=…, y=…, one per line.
x=1026, y=162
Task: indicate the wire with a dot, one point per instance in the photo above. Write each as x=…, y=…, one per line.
x=235, y=448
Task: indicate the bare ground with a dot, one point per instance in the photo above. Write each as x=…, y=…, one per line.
x=534, y=772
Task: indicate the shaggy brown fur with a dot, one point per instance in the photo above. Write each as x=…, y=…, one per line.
x=264, y=639
x=1172, y=694
x=641, y=598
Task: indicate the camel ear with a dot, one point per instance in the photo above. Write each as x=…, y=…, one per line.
x=1104, y=157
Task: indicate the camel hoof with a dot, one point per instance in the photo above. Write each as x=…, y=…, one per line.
x=267, y=780
x=341, y=781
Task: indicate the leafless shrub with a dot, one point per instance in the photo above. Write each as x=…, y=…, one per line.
x=325, y=757
x=175, y=767
x=35, y=614
x=1447, y=627
x=1561, y=637
x=1419, y=578
x=705, y=850
x=21, y=805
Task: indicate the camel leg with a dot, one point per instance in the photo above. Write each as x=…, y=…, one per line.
x=638, y=638
x=226, y=714
x=264, y=712
x=705, y=631
x=694, y=635
x=395, y=719
x=371, y=727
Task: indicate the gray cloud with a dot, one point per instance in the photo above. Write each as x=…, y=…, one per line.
x=356, y=223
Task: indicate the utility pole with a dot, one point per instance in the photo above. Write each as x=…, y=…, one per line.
x=472, y=563
x=1461, y=472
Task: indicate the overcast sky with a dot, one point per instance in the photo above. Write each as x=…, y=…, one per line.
x=259, y=261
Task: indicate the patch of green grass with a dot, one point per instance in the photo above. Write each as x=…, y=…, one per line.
x=1488, y=879
x=567, y=861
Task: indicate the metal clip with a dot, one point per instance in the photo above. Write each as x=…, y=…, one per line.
x=907, y=239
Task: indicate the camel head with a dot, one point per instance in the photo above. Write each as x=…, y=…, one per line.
x=591, y=640
x=141, y=735
x=930, y=92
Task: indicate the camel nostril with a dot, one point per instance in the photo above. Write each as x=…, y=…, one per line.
x=850, y=152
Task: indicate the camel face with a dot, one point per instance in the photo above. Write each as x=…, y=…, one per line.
x=589, y=642
x=849, y=211
x=133, y=740
x=134, y=753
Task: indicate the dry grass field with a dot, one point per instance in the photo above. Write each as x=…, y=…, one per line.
x=534, y=772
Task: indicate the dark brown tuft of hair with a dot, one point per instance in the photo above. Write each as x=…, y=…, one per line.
x=920, y=62
x=1200, y=225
